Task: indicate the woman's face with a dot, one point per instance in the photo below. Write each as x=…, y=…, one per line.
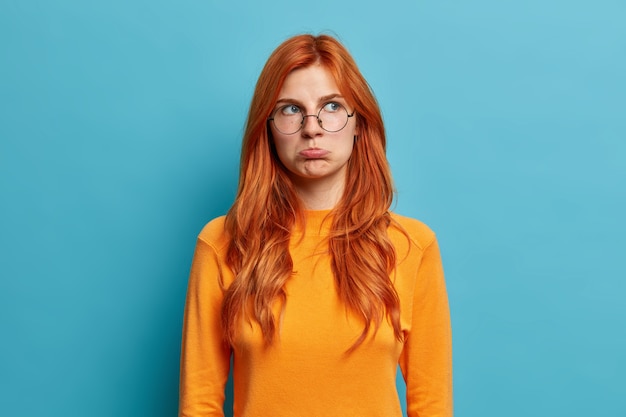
x=312, y=155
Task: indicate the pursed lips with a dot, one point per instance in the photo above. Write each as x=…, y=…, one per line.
x=313, y=153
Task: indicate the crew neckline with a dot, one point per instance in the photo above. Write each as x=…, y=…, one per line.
x=318, y=222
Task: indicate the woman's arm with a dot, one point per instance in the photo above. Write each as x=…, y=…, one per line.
x=205, y=358
x=426, y=360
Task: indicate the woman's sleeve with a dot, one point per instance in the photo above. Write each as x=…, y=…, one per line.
x=205, y=358
x=426, y=360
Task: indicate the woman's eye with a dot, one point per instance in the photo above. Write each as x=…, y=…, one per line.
x=290, y=109
x=332, y=107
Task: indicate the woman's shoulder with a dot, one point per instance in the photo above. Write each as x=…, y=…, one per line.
x=214, y=233
x=420, y=234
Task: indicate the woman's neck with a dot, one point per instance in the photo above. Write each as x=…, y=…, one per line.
x=320, y=195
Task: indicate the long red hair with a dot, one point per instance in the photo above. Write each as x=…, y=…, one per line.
x=266, y=207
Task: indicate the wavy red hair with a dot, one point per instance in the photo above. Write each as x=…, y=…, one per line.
x=267, y=208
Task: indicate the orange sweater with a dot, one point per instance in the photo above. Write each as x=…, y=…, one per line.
x=305, y=372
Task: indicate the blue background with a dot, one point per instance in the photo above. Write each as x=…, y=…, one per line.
x=120, y=124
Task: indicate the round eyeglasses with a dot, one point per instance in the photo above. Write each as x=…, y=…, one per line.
x=289, y=119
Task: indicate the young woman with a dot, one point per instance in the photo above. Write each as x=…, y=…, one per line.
x=314, y=288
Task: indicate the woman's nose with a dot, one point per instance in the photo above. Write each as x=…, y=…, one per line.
x=311, y=125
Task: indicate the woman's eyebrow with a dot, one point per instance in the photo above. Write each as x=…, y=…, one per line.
x=288, y=101
x=321, y=100
x=330, y=97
